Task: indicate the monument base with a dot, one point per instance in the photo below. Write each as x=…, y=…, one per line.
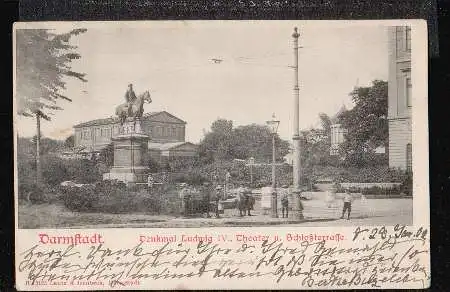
x=127, y=175
x=129, y=150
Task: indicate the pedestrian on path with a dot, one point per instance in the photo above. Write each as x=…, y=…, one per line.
x=218, y=205
x=285, y=204
x=242, y=201
x=347, y=204
x=206, y=198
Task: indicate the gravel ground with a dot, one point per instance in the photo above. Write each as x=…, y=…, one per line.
x=316, y=213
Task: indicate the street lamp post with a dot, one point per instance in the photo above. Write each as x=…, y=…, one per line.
x=273, y=126
x=251, y=161
x=296, y=203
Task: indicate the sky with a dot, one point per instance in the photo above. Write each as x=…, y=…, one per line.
x=255, y=79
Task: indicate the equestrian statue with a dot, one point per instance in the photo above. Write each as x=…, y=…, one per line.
x=133, y=106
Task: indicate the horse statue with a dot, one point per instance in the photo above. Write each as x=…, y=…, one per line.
x=134, y=109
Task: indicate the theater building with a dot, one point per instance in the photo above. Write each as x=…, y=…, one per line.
x=166, y=132
x=400, y=98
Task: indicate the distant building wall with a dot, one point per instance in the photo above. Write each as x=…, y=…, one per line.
x=162, y=127
x=400, y=98
x=400, y=136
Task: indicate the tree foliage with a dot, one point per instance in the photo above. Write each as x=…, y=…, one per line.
x=224, y=142
x=325, y=120
x=106, y=155
x=69, y=142
x=316, y=148
x=26, y=146
x=366, y=124
x=43, y=60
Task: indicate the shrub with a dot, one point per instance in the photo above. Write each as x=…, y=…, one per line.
x=82, y=171
x=109, y=197
x=357, y=175
x=80, y=199
x=53, y=170
x=56, y=170
x=191, y=178
x=407, y=185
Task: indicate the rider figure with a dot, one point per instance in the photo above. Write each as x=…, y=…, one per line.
x=130, y=97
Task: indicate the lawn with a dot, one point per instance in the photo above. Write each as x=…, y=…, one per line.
x=57, y=216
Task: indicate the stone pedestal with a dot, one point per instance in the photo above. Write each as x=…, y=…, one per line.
x=129, y=150
x=296, y=208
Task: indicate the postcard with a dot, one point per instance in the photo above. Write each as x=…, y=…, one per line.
x=221, y=155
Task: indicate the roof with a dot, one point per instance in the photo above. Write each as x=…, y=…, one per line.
x=113, y=120
x=167, y=146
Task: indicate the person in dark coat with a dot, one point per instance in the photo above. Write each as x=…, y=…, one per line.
x=285, y=204
x=206, y=198
x=217, y=198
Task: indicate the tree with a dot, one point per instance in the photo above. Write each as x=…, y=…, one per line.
x=366, y=124
x=42, y=62
x=226, y=143
x=106, y=155
x=217, y=144
x=256, y=141
x=69, y=142
x=326, y=124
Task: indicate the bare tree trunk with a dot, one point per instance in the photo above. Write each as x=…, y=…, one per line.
x=38, y=149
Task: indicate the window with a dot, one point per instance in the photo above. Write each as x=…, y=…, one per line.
x=408, y=91
x=409, y=157
x=408, y=38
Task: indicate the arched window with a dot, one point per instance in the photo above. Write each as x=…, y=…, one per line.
x=409, y=157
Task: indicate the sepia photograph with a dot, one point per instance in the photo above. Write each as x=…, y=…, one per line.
x=191, y=124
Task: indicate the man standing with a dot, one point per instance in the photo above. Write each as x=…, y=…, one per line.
x=183, y=194
x=218, y=204
x=206, y=198
x=249, y=201
x=241, y=203
x=347, y=204
x=285, y=202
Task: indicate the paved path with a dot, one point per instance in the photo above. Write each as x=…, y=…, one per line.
x=316, y=213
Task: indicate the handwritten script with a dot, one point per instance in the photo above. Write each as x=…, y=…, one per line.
x=372, y=258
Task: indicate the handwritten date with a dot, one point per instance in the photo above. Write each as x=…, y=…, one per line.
x=398, y=231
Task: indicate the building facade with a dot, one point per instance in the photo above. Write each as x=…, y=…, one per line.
x=400, y=98
x=337, y=132
x=167, y=134
x=337, y=137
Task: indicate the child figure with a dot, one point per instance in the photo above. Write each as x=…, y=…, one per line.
x=347, y=204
